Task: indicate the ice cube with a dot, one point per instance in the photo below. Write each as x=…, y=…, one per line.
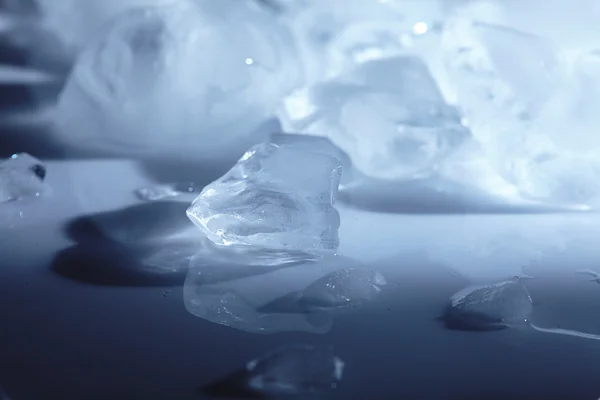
x=388, y=115
x=527, y=102
x=349, y=287
x=294, y=370
x=489, y=307
x=276, y=196
x=21, y=178
x=168, y=82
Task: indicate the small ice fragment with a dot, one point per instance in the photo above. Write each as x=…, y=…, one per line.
x=156, y=192
x=21, y=177
x=277, y=196
x=489, y=307
x=163, y=191
x=348, y=287
x=295, y=370
x=388, y=115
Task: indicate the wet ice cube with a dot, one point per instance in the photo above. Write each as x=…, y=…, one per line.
x=21, y=177
x=388, y=115
x=276, y=196
x=492, y=306
x=348, y=287
x=295, y=370
x=167, y=81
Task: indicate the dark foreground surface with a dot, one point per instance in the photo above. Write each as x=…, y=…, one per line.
x=85, y=316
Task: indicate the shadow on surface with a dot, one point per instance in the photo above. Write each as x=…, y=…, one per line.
x=136, y=246
x=432, y=196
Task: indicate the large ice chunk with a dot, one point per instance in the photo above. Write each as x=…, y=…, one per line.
x=21, y=177
x=189, y=80
x=388, y=115
x=276, y=196
x=528, y=103
x=290, y=371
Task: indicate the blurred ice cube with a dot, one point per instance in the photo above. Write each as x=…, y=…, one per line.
x=289, y=372
x=77, y=22
x=528, y=103
x=335, y=35
x=190, y=80
x=21, y=177
x=388, y=115
x=276, y=196
x=294, y=370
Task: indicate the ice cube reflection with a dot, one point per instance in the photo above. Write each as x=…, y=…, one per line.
x=297, y=293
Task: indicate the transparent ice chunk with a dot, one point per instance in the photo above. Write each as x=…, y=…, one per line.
x=276, y=196
x=21, y=178
x=290, y=371
x=190, y=80
x=490, y=307
x=501, y=305
x=387, y=115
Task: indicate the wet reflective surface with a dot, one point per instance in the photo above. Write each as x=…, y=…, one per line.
x=96, y=303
